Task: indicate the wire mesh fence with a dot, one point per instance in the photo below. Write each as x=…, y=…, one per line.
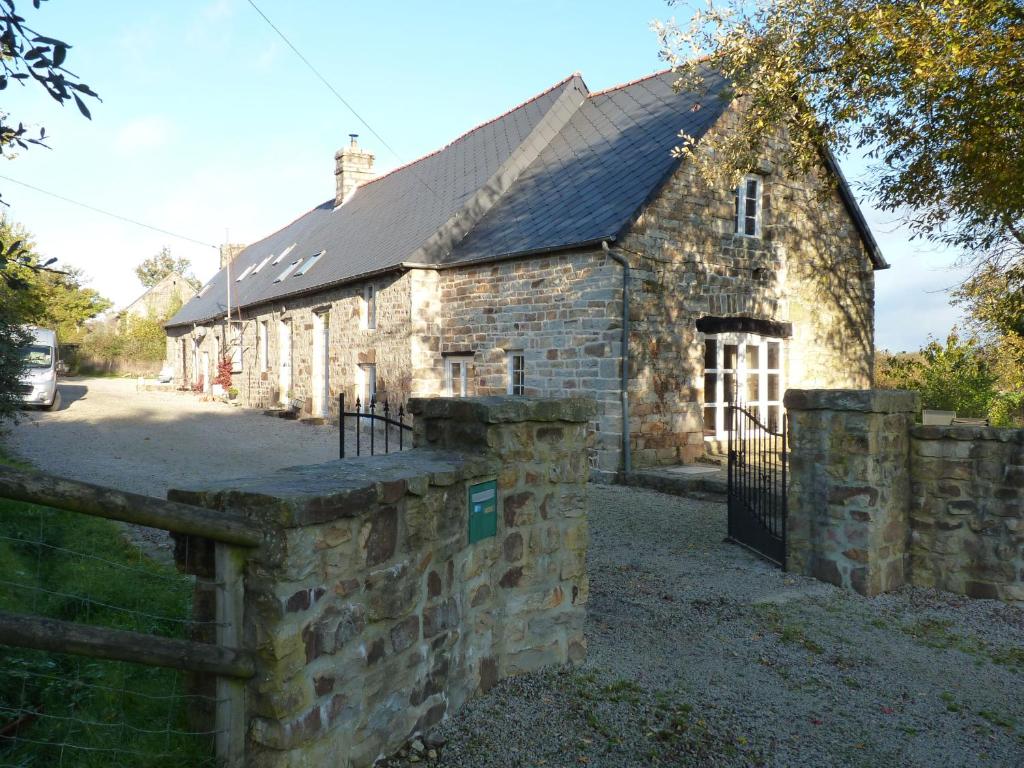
x=65, y=710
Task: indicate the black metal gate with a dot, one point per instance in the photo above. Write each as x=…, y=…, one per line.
x=757, y=484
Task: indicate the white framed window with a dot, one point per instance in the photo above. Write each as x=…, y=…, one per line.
x=287, y=270
x=306, y=267
x=456, y=375
x=235, y=347
x=366, y=384
x=743, y=368
x=369, y=307
x=283, y=253
x=262, y=346
x=748, y=207
x=516, y=372
x=262, y=264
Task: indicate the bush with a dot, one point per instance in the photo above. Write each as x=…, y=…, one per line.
x=960, y=375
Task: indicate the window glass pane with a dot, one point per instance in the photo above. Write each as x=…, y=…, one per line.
x=752, y=189
x=731, y=353
x=773, y=354
x=752, y=388
x=709, y=420
x=773, y=418
x=751, y=208
x=710, y=389
x=773, y=386
x=729, y=385
x=710, y=353
x=753, y=352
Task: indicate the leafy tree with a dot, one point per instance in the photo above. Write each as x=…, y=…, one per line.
x=27, y=56
x=955, y=376
x=50, y=299
x=156, y=268
x=13, y=339
x=932, y=92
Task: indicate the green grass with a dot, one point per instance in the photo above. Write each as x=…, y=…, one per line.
x=96, y=706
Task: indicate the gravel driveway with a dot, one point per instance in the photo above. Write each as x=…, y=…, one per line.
x=701, y=654
x=108, y=433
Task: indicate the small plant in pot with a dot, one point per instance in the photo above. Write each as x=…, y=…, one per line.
x=232, y=393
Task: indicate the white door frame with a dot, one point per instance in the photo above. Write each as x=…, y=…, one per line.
x=321, y=384
x=284, y=358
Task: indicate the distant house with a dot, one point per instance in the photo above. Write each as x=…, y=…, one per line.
x=499, y=264
x=167, y=296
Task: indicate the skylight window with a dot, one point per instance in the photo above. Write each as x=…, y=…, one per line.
x=262, y=264
x=288, y=270
x=203, y=290
x=284, y=253
x=306, y=267
x=244, y=274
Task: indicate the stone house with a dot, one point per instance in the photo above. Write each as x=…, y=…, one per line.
x=162, y=299
x=558, y=249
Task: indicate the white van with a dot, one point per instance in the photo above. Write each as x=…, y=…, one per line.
x=39, y=379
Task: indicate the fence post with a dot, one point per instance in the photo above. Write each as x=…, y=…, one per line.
x=230, y=708
x=341, y=425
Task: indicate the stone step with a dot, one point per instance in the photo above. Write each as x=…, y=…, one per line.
x=700, y=481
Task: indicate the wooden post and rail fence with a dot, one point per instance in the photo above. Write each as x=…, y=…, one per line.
x=232, y=535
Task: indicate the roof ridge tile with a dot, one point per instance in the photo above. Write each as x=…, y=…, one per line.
x=475, y=128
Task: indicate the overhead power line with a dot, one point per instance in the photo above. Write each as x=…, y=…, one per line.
x=107, y=213
x=337, y=95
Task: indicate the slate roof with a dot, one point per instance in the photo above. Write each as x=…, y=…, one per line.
x=564, y=169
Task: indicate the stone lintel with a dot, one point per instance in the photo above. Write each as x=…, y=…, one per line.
x=964, y=432
x=858, y=400
x=503, y=409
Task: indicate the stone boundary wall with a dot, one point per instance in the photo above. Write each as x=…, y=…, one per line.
x=371, y=615
x=876, y=502
x=967, y=511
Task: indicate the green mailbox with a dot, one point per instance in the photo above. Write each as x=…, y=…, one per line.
x=483, y=510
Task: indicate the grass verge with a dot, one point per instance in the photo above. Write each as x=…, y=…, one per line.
x=66, y=710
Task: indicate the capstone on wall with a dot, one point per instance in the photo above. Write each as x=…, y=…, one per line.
x=809, y=267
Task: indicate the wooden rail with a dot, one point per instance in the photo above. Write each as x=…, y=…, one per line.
x=89, y=499
x=120, y=645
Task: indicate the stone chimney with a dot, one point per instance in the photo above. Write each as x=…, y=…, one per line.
x=352, y=167
x=229, y=252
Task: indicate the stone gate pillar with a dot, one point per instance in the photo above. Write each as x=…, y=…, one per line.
x=849, y=493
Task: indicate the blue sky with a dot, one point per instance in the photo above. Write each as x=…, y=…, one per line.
x=211, y=127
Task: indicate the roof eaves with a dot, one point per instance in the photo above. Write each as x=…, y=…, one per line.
x=294, y=294
x=850, y=202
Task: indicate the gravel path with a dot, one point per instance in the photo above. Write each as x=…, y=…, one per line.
x=701, y=654
x=147, y=442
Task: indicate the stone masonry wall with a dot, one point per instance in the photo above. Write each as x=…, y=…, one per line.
x=371, y=615
x=563, y=311
x=849, y=489
x=809, y=267
x=351, y=345
x=967, y=510
x=876, y=502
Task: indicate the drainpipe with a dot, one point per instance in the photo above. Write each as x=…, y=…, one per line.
x=627, y=458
